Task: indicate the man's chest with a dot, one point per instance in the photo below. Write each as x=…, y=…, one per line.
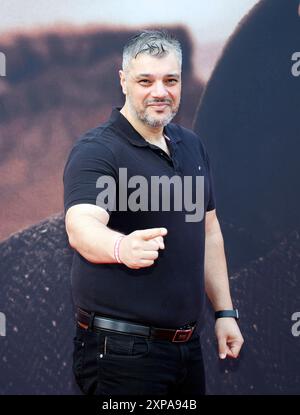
x=152, y=180
x=162, y=161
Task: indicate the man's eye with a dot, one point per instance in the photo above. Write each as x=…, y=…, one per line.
x=172, y=81
x=144, y=82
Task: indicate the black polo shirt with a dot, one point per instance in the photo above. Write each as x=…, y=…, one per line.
x=169, y=293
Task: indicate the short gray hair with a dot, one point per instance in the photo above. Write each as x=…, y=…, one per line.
x=154, y=42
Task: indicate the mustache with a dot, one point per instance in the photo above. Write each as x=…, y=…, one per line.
x=160, y=101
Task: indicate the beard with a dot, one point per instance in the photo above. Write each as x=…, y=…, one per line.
x=151, y=120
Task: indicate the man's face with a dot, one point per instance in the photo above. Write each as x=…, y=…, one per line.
x=152, y=86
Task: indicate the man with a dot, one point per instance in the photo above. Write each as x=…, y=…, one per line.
x=142, y=264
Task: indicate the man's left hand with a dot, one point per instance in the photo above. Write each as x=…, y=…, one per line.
x=229, y=337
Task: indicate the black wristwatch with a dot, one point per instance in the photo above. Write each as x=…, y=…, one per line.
x=227, y=313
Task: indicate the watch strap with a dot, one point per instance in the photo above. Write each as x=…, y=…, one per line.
x=227, y=313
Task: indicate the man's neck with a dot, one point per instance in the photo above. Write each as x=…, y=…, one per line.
x=150, y=134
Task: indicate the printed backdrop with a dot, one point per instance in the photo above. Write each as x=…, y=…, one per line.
x=241, y=85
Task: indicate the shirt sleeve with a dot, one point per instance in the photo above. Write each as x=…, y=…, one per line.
x=90, y=169
x=211, y=195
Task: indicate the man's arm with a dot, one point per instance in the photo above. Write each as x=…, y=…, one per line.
x=217, y=288
x=88, y=233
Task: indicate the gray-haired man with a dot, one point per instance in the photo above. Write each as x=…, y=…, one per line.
x=141, y=270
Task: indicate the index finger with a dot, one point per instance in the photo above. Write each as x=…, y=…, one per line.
x=147, y=234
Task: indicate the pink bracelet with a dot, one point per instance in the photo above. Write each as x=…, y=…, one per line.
x=117, y=247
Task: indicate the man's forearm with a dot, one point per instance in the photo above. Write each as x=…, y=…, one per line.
x=93, y=240
x=215, y=268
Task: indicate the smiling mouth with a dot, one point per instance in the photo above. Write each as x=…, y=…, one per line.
x=159, y=105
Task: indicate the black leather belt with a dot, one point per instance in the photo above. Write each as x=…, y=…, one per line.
x=86, y=319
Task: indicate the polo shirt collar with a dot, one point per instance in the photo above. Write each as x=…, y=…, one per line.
x=122, y=124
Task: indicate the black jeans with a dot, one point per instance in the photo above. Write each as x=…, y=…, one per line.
x=107, y=363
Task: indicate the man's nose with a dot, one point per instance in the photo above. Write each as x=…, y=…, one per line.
x=159, y=90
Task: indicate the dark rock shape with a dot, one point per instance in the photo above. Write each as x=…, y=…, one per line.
x=69, y=68
x=267, y=292
x=35, y=296
x=249, y=119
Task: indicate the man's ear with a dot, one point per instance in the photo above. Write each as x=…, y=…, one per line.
x=122, y=81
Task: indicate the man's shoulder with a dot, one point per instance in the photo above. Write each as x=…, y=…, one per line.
x=99, y=135
x=93, y=145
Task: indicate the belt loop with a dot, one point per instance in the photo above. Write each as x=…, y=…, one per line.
x=91, y=322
